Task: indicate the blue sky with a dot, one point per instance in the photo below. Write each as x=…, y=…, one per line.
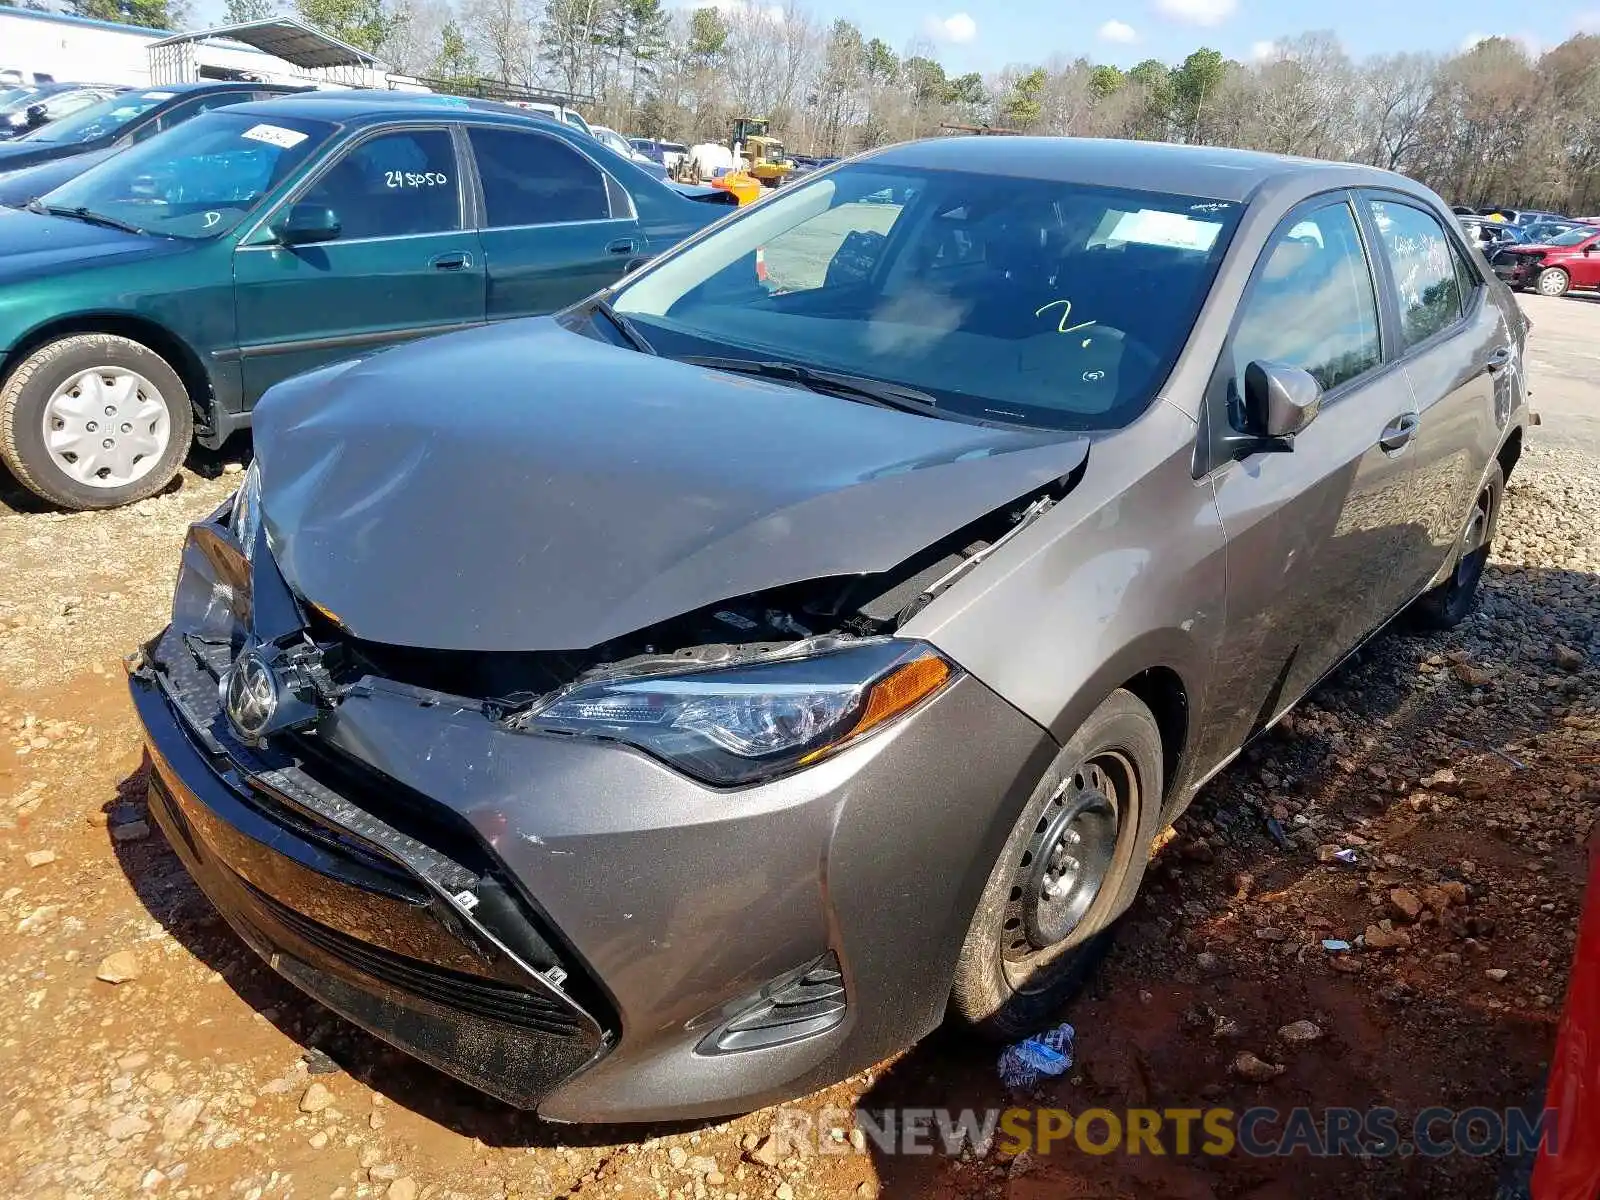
x=985, y=36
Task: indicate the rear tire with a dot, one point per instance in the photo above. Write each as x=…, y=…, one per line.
x=94, y=420
x=1084, y=833
x=1553, y=281
x=1448, y=604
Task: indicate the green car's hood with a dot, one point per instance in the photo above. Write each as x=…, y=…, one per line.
x=32, y=244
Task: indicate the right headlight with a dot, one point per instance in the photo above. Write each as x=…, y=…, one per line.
x=245, y=521
x=744, y=724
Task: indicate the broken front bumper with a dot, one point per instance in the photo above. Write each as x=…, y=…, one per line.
x=631, y=927
x=377, y=925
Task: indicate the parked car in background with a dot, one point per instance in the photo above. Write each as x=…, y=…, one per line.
x=1543, y=231
x=678, y=704
x=1552, y=268
x=1489, y=234
x=33, y=106
x=20, y=77
x=126, y=119
x=559, y=113
x=165, y=289
x=615, y=141
x=668, y=154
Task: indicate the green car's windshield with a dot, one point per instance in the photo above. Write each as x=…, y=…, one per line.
x=198, y=179
x=98, y=120
x=1024, y=301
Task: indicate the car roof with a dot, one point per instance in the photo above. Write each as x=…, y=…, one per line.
x=348, y=105
x=1208, y=171
x=214, y=85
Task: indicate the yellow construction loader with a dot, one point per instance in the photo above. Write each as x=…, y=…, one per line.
x=764, y=156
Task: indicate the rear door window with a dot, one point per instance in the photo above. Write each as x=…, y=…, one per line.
x=1423, y=266
x=531, y=179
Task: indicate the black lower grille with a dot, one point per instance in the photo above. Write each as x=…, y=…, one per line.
x=486, y=998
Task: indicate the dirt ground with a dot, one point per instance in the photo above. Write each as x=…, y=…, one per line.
x=1460, y=770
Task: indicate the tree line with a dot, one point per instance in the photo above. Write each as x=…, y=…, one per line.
x=1490, y=124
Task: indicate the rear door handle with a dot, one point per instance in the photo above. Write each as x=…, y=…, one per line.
x=456, y=260
x=622, y=246
x=1398, y=433
x=1498, y=358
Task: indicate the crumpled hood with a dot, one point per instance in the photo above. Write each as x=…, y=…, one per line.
x=523, y=487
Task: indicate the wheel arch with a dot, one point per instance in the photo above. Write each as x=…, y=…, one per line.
x=179, y=354
x=1510, y=452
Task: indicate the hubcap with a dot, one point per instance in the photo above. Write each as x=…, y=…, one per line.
x=106, y=427
x=1550, y=283
x=1065, y=864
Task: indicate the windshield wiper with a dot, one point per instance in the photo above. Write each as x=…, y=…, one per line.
x=837, y=383
x=82, y=213
x=627, y=328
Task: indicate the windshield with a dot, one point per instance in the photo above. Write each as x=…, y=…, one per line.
x=99, y=120
x=614, y=140
x=1016, y=300
x=1572, y=237
x=198, y=179
x=17, y=98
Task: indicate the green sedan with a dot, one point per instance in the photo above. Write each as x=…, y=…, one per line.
x=152, y=300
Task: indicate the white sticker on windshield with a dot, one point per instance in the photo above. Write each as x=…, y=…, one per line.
x=275, y=135
x=1153, y=227
x=159, y=95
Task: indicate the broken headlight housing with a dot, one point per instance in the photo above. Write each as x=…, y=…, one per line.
x=245, y=521
x=744, y=724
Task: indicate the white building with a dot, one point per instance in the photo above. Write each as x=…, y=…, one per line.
x=78, y=49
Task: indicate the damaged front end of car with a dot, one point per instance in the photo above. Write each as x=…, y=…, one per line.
x=596, y=880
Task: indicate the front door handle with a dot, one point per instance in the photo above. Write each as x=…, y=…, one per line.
x=1397, y=434
x=623, y=246
x=456, y=260
x=1498, y=359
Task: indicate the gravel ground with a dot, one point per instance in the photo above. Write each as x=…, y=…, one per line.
x=145, y=1051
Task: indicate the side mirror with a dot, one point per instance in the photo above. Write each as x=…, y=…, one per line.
x=305, y=224
x=37, y=115
x=1278, y=402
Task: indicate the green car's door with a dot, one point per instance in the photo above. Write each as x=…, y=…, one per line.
x=403, y=265
x=555, y=226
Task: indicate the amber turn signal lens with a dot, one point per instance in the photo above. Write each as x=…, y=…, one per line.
x=903, y=688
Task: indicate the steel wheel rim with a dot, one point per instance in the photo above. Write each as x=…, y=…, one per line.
x=1050, y=896
x=106, y=427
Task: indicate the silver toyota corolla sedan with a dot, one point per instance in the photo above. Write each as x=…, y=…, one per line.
x=677, y=704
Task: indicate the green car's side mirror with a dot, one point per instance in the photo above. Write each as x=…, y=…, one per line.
x=305, y=224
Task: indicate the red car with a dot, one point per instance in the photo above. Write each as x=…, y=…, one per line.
x=1568, y=260
x=1573, y=1171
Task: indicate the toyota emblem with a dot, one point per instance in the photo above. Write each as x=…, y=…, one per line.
x=251, y=696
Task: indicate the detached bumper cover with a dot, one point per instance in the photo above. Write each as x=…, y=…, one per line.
x=347, y=907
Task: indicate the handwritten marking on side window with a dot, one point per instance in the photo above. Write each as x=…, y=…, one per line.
x=415, y=179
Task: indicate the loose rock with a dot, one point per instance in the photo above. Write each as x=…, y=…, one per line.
x=1248, y=1066
x=119, y=967
x=316, y=1098
x=1299, y=1033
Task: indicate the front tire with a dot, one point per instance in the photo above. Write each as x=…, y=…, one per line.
x=1449, y=603
x=94, y=420
x=1084, y=833
x=1553, y=281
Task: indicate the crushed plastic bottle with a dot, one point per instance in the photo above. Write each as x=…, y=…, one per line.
x=1024, y=1064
